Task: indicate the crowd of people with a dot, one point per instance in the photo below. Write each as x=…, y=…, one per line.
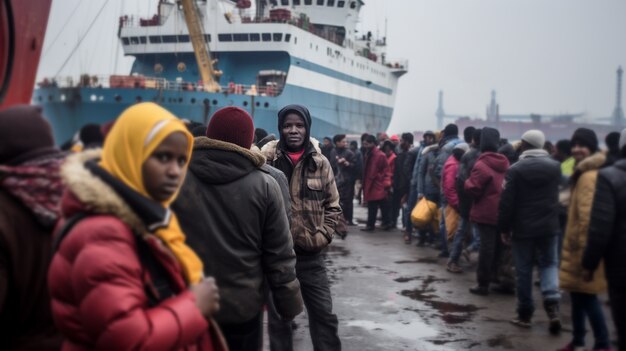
x=151, y=232
x=516, y=206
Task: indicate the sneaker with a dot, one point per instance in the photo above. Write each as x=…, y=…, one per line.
x=521, y=322
x=552, y=309
x=367, y=229
x=479, y=290
x=454, y=268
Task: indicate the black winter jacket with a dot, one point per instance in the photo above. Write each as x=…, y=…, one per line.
x=529, y=204
x=465, y=168
x=607, y=229
x=233, y=215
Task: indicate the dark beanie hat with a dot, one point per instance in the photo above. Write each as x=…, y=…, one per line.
x=299, y=110
x=450, y=130
x=232, y=125
x=91, y=134
x=22, y=130
x=468, y=133
x=612, y=142
x=259, y=134
x=585, y=137
x=489, y=139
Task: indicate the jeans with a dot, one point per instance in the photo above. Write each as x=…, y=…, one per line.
x=372, y=210
x=443, y=233
x=459, y=239
x=524, y=253
x=588, y=305
x=323, y=324
x=489, y=254
x=475, y=244
x=247, y=336
x=617, y=296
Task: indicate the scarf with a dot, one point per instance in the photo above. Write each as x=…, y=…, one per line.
x=532, y=153
x=138, y=131
x=37, y=185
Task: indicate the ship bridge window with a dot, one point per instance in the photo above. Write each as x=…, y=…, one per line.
x=274, y=2
x=296, y=2
x=225, y=37
x=169, y=39
x=331, y=3
x=353, y=5
x=125, y=41
x=287, y=37
x=207, y=38
x=134, y=40
x=278, y=36
x=183, y=38
x=320, y=2
x=308, y=2
x=155, y=39
x=241, y=37
x=255, y=37
x=284, y=2
x=143, y=40
x=341, y=3
x=266, y=36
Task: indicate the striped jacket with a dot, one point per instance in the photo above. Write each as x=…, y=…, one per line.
x=315, y=208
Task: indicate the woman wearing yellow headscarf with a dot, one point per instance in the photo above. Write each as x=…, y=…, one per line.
x=123, y=277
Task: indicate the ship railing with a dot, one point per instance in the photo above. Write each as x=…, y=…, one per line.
x=397, y=64
x=153, y=83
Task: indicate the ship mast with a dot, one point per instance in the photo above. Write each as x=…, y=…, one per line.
x=201, y=49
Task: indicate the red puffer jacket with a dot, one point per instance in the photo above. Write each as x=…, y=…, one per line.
x=376, y=177
x=98, y=284
x=484, y=185
x=450, y=171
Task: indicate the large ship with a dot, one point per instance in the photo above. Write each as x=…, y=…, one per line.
x=196, y=56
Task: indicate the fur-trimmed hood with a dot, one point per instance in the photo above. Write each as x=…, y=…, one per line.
x=591, y=163
x=219, y=162
x=92, y=193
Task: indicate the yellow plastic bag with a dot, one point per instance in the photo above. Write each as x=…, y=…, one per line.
x=424, y=213
x=452, y=221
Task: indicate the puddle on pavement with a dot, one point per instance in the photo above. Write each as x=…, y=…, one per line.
x=426, y=260
x=448, y=312
x=407, y=330
x=336, y=250
x=500, y=341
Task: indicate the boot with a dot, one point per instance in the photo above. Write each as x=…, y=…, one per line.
x=552, y=309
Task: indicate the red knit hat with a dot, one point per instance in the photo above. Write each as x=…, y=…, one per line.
x=232, y=125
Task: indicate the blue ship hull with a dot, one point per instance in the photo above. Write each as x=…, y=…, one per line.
x=68, y=109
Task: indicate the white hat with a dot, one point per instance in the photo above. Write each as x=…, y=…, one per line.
x=535, y=138
x=622, y=139
x=462, y=146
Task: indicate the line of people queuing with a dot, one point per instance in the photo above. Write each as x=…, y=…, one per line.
x=521, y=205
x=154, y=234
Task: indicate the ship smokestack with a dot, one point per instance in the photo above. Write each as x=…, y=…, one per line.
x=440, y=114
x=618, y=113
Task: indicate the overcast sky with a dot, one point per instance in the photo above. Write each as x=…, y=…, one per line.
x=541, y=56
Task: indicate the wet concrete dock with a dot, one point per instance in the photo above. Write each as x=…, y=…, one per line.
x=393, y=296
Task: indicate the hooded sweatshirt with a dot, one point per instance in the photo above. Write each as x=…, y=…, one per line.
x=484, y=184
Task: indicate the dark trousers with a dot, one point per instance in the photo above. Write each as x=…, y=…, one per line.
x=617, y=296
x=588, y=305
x=323, y=324
x=346, y=198
x=396, y=199
x=489, y=254
x=280, y=331
x=372, y=210
x=247, y=336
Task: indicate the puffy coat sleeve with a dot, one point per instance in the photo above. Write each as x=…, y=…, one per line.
x=279, y=259
x=384, y=172
x=331, y=207
x=585, y=189
x=449, y=190
x=601, y=223
x=506, y=208
x=96, y=284
x=422, y=166
x=477, y=182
